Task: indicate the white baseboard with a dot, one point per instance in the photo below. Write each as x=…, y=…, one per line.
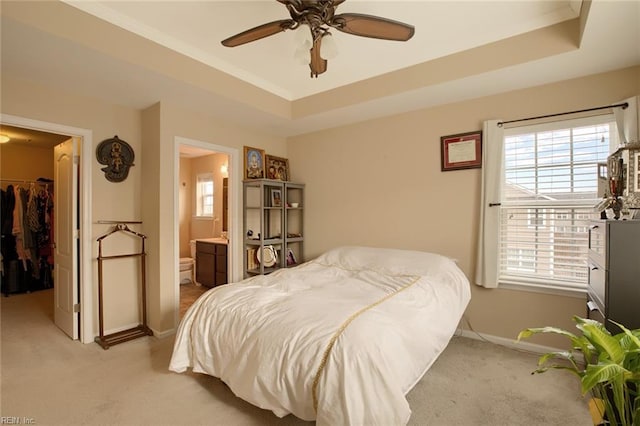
x=502, y=341
x=164, y=334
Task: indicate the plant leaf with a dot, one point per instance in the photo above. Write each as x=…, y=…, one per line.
x=562, y=355
x=634, y=339
x=602, y=339
x=575, y=340
x=531, y=331
x=573, y=370
x=604, y=372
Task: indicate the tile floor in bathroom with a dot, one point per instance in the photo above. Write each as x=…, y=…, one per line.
x=188, y=294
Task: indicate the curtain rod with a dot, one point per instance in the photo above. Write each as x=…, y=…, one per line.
x=622, y=105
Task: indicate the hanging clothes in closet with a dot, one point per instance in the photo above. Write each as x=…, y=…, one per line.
x=27, y=236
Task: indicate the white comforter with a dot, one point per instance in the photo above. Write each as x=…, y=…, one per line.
x=340, y=339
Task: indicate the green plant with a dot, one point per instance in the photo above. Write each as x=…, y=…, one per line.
x=609, y=367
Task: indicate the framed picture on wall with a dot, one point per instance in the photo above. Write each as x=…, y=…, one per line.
x=253, y=163
x=461, y=151
x=277, y=168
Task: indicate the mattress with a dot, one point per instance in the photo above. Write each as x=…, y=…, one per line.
x=340, y=339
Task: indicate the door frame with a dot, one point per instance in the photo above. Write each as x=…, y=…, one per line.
x=84, y=221
x=235, y=223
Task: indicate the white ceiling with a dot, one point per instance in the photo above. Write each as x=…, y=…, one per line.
x=442, y=28
x=611, y=40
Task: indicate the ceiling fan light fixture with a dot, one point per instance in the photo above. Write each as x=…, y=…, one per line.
x=328, y=48
x=302, y=37
x=301, y=55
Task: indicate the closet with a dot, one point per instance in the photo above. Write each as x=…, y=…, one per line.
x=26, y=222
x=26, y=219
x=41, y=159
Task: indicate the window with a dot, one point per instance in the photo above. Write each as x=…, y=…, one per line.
x=204, y=195
x=535, y=217
x=550, y=185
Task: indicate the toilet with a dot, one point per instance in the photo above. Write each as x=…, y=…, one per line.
x=188, y=266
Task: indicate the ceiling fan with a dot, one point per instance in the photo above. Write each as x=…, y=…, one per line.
x=320, y=16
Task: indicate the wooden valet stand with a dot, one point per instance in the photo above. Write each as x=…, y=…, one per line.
x=141, y=330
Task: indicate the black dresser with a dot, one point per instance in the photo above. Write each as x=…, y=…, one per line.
x=614, y=273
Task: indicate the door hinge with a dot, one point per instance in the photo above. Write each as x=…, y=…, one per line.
x=76, y=159
x=76, y=233
x=76, y=308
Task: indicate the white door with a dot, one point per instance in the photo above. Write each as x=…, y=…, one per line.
x=65, y=219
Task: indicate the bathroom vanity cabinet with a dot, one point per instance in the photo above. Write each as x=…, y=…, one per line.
x=211, y=263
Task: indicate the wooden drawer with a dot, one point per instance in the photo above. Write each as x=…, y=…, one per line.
x=221, y=278
x=213, y=248
x=593, y=312
x=205, y=247
x=211, y=263
x=597, y=280
x=597, y=242
x=221, y=264
x=205, y=268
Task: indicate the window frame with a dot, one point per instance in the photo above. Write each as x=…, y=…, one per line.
x=548, y=213
x=203, y=179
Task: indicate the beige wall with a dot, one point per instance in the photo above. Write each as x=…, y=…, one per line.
x=22, y=162
x=375, y=183
x=379, y=183
x=151, y=215
x=151, y=133
x=191, y=228
x=158, y=204
x=110, y=201
x=185, y=193
x=208, y=227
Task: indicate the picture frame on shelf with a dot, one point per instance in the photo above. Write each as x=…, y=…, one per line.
x=291, y=258
x=461, y=151
x=276, y=198
x=277, y=168
x=254, y=159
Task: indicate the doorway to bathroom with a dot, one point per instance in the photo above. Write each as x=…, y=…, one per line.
x=203, y=213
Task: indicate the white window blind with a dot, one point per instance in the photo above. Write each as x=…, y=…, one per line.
x=549, y=190
x=204, y=195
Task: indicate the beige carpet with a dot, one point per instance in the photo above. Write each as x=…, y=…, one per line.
x=55, y=381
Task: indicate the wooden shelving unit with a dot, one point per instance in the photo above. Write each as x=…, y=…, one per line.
x=273, y=227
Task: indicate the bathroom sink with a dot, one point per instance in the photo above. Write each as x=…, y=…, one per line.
x=216, y=240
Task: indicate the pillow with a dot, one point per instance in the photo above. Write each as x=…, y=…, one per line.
x=386, y=261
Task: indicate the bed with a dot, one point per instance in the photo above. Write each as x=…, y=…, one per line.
x=340, y=339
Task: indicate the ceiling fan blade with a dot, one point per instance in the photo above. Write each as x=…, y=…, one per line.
x=372, y=26
x=317, y=64
x=258, y=32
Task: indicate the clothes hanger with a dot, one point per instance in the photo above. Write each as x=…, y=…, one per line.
x=123, y=228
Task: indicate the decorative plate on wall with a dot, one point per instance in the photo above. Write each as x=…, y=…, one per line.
x=117, y=156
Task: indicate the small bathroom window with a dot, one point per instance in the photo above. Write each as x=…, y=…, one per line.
x=204, y=195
